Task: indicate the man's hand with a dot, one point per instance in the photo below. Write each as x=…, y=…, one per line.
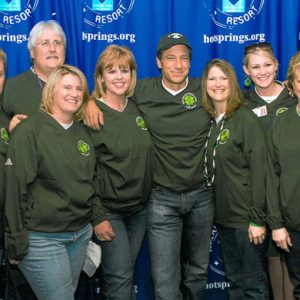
x=104, y=231
x=17, y=119
x=256, y=234
x=93, y=117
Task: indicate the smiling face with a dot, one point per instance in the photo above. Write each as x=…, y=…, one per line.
x=261, y=68
x=217, y=85
x=67, y=98
x=116, y=80
x=47, y=53
x=175, y=66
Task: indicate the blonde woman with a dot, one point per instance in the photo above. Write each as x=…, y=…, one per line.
x=50, y=199
x=284, y=189
x=124, y=170
x=267, y=99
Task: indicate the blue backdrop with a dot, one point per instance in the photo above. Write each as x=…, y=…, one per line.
x=215, y=28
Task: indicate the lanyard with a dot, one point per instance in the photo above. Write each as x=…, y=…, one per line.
x=210, y=180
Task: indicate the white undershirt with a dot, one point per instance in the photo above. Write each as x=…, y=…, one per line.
x=66, y=126
x=270, y=99
x=172, y=91
x=219, y=117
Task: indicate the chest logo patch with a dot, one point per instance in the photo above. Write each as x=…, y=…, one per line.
x=189, y=100
x=4, y=135
x=141, y=123
x=281, y=110
x=83, y=148
x=224, y=136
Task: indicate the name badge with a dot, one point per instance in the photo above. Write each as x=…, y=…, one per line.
x=260, y=111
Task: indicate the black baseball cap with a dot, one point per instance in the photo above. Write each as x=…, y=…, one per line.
x=171, y=39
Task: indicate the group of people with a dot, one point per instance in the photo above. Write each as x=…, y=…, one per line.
x=166, y=158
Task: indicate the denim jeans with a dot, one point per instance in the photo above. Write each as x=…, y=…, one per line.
x=245, y=265
x=53, y=263
x=179, y=231
x=120, y=254
x=293, y=261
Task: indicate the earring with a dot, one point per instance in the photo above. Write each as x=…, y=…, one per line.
x=247, y=82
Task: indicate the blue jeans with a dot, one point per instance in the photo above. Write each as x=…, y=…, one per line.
x=179, y=231
x=53, y=263
x=120, y=254
x=293, y=261
x=245, y=265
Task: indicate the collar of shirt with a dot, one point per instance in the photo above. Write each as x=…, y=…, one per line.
x=172, y=91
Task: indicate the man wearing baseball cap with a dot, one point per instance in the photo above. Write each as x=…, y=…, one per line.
x=180, y=208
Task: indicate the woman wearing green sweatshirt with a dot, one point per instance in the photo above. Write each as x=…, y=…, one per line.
x=50, y=197
x=284, y=187
x=235, y=155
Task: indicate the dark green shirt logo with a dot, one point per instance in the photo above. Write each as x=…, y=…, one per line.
x=281, y=110
x=4, y=135
x=189, y=100
x=224, y=136
x=83, y=148
x=141, y=123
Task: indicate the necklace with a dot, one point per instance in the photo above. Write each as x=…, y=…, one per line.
x=210, y=180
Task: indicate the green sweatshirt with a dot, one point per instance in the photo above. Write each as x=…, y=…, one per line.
x=240, y=170
x=178, y=126
x=279, y=105
x=50, y=186
x=4, y=139
x=284, y=185
x=22, y=94
x=125, y=156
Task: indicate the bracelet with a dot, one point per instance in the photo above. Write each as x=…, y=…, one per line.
x=256, y=225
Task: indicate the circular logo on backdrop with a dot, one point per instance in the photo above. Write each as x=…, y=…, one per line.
x=216, y=262
x=13, y=12
x=98, y=13
x=231, y=13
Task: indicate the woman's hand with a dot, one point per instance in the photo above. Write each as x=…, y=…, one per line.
x=282, y=238
x=257, y=234
x=104, y=231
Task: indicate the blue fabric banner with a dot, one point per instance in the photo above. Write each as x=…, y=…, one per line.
x=215, y=28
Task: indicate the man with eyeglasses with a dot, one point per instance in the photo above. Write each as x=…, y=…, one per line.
x=22, y=95
x=22, y=98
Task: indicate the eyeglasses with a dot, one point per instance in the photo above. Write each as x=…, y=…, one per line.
x=262, y=45
x=47, y=43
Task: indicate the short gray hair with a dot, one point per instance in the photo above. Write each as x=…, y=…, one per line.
x=40, y=27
